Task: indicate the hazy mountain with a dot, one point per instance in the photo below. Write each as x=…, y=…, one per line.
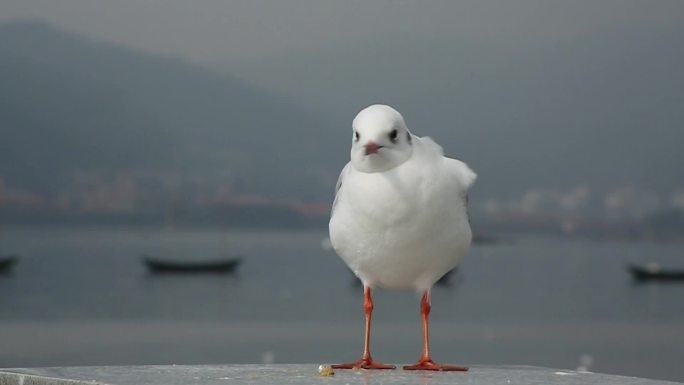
x=603, y=109
x=73, y=109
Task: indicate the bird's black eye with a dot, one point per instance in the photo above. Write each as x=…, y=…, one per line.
x=356, y=136
x=393, y=135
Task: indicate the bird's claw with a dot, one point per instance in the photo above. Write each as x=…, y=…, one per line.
x=364, y=364
x=431, y=365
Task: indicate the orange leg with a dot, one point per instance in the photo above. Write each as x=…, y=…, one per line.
x=366, y=362
x=425, y=362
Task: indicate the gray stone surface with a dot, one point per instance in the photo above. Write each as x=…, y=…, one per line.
x=303, y=374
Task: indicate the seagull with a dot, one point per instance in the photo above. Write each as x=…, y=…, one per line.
x=400, y=217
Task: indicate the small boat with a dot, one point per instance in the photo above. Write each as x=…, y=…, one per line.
x=6, y=262
x=654, y=271
x=480, y=239
x=160, y=265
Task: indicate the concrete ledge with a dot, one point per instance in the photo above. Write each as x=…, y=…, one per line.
x=303, y=375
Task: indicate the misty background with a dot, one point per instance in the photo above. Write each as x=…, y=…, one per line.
x=560, y=107
x=227, y=124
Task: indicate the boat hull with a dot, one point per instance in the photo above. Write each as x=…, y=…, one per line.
x=644, y=273
x=219, y=266
x=6, y=262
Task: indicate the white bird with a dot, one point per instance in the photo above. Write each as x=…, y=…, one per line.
x=400, y=216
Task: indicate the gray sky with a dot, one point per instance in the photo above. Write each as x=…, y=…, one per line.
x=242, y=30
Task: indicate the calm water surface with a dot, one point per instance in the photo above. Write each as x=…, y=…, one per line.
x=82, y=297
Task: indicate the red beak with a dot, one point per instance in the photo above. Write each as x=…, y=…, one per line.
x=372, y=148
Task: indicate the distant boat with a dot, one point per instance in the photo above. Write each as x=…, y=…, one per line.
x=654, y=271
x=160, y=265
x=480, y=239
x=6, y=262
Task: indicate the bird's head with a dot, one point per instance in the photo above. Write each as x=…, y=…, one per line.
x=380, y=139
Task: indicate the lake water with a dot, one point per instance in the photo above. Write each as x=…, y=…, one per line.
x=82, y=297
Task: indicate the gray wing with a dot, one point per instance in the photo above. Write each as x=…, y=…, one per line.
x=467, y=207
x=465, y=177
x=337, y=188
